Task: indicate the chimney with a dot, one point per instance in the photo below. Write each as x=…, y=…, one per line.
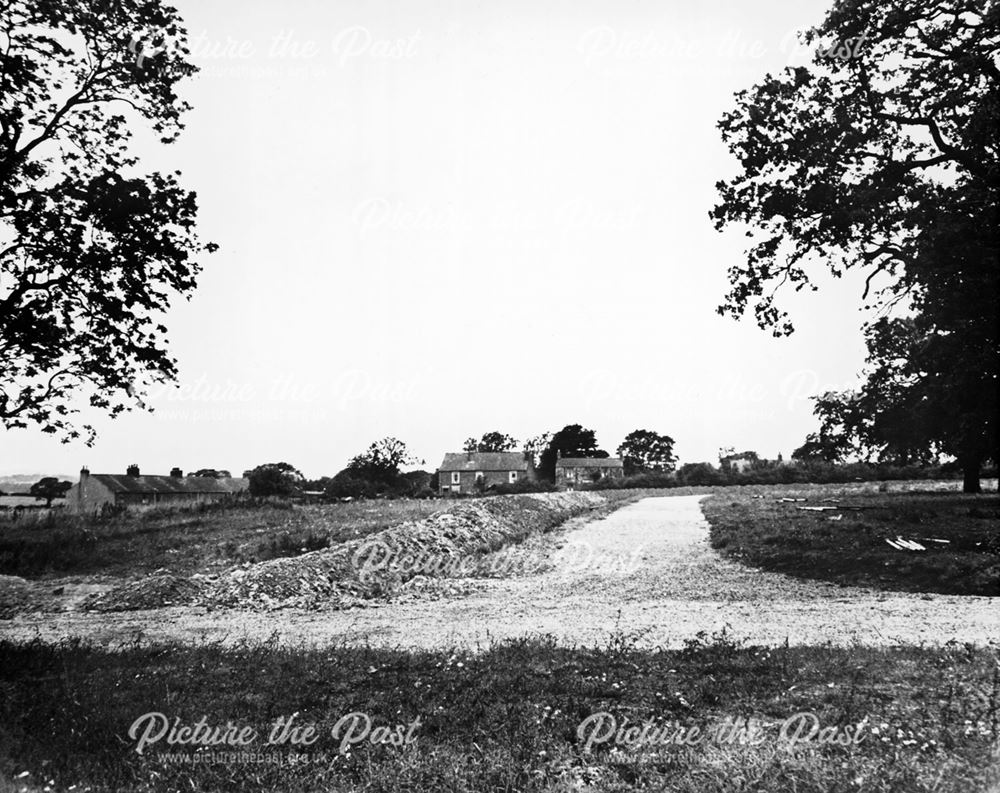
x=132, y=470
x=176, y=473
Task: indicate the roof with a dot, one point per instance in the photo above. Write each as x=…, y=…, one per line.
x=484, y=461
x=589, y=462
x=169, y=484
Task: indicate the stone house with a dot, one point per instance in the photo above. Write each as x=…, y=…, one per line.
x=473, y=472
x=573, y=472
x=93, y=491
x=739, y=463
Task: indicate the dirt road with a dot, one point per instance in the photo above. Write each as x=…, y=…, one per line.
x=646, y=571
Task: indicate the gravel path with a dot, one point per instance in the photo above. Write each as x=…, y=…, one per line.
x=646, y=570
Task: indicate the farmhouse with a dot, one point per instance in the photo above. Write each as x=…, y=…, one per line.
x=93, y=491
x=738, y=463
x=571, y=472
x=470, y=472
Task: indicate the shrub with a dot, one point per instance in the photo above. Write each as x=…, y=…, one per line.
x=522, y=486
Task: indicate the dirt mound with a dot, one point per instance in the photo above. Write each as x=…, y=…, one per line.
x=155, y=591
x=446, y=544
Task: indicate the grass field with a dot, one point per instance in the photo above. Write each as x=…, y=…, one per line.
x=190, y=540
x=507, y=718
x=848, y=545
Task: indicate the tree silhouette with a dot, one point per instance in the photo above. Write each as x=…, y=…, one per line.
x=885, y=160
x=91, y=250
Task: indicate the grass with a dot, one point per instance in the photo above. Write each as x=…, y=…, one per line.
x=190, y=540
x=852, y=550
x=506, y=718
x=200, y=539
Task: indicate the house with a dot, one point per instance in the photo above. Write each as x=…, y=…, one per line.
x=572, y=472
x=739, y=463
x=473, y=472
x=94, y=491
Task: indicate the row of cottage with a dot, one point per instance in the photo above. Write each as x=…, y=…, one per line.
x=465, y=472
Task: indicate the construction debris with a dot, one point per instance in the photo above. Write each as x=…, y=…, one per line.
x=155, y=591
x=901, y=544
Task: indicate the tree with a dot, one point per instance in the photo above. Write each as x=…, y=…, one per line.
x=92, y=250
x=885, y=161
x=915, y=404
x=571, y=441
x=645, y=450
x=275, y=479
x=535, y=446
x=213, y=473
x=698, y=474
x=380, y=462
x=490, y=442
x=49, y=488
x=818, y=447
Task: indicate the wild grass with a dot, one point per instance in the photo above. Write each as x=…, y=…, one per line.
x=848, y=545
x=186, y=540
x=505, y=718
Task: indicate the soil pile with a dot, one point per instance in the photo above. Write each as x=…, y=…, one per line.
x=446, y=545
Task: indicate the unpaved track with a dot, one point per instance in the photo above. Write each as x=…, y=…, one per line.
x=675, y=587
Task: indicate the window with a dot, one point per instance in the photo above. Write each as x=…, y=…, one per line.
x=512, y=477
x=456, y=478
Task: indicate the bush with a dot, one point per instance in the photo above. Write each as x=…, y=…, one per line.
x=521, y=486
x=347, y=485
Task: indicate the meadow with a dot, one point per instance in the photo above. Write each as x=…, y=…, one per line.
x=850, y=541
x=507, y=718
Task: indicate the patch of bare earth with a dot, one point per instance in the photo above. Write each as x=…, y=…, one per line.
x=646, y=570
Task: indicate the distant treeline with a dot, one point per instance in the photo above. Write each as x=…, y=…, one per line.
x=815, y=472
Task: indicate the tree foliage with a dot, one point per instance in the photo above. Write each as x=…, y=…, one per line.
x=92, y=250
x=571, y=441
x=212, y=473
x=918, y=401
x=536, y=445
x=380, y=462
x=275, y=479
x=490, y=442
x=645, y=450
x=49, y=488
x=885, y=162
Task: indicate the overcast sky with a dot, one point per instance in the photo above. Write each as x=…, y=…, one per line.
x=438, y=219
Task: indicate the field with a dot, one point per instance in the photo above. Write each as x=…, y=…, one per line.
x=507, y=718
x=847, y=542
x=516, y=713
x=184, y=541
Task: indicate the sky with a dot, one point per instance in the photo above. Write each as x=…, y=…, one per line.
x=439, y=219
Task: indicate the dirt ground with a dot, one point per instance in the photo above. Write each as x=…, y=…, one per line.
x=646, y=571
